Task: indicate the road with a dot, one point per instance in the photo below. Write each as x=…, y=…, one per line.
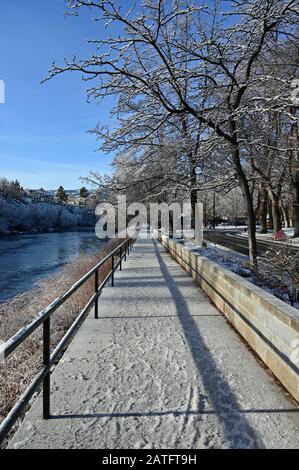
x=234, y=241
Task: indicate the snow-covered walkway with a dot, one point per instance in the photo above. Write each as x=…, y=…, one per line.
x=161, y=368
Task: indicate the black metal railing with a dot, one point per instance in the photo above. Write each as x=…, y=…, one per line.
x=44, y=318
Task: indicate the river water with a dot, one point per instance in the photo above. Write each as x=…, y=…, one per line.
x=27, y=258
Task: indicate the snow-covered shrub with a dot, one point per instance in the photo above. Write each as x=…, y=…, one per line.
x=279, y=268
x=21, y=216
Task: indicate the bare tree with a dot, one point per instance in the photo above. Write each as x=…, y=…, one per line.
x=147, y=65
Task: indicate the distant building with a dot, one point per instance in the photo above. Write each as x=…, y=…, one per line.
x=74, y=200
x=49, y=196
x=39, y=195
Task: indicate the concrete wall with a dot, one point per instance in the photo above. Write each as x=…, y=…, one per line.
x=269, y=325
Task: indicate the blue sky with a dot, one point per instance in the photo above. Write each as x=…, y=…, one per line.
x=43, y=128
x=43, y=138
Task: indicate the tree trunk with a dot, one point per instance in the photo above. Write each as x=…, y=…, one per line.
x=193, y=194
x=214, y=210
x=252, y=247
x=295, y=158
x=271, y=224
x=258, y=205
x=277, y=226
x=251, y=220
x=205, y=215
x=193, y=200
x=296, y=207
x=263, y=217
x=263, y=209
x=248, y=201
x=276, y=215
x=291, y=219
x=286, y=217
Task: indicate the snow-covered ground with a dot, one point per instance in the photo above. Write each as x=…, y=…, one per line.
x=160, y=369
x=226, y=257
x=230, y=227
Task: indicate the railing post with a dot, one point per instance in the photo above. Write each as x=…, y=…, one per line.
x=44, y=321
x=112, y=276
x=96, y=305
x=46, y=362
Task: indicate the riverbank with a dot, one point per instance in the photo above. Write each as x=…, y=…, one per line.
x=19, y=216
x=18, y=370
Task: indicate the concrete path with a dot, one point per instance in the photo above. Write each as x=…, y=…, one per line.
x=161, y=368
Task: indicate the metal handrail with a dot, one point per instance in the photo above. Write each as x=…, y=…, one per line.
x=43, y=318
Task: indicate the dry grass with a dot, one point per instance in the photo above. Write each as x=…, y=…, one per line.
x=17, y=372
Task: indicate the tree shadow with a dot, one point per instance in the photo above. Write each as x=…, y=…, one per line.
x=236, y=429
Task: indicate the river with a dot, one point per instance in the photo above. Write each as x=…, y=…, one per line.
x=27, y=258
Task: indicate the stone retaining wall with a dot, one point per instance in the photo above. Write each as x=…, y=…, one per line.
x=269, y=325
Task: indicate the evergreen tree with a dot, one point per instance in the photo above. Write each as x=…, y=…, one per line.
x=83, y=192
x=61, y=194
